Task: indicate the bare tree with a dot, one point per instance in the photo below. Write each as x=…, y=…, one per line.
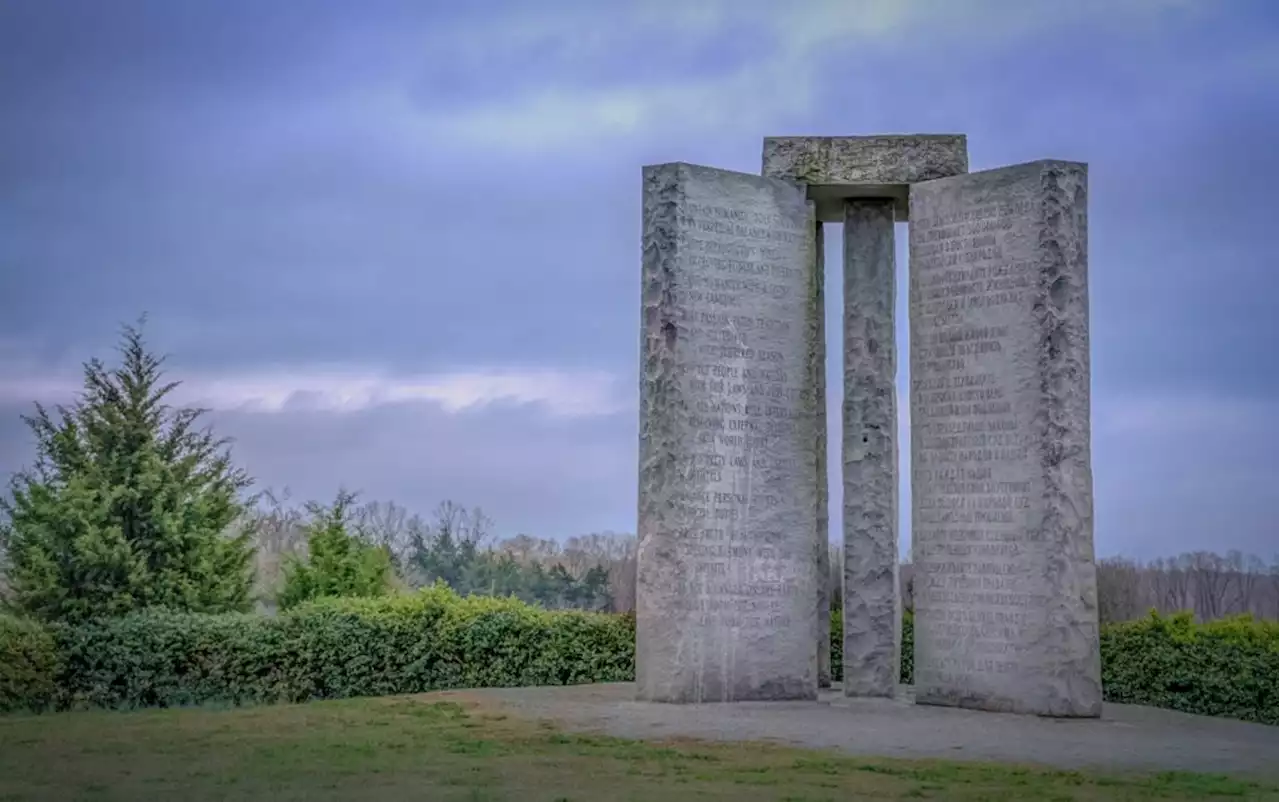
x=1172, y=584
x=466, y=526
x=387, y=524
x=278, y=527
x=1120, y=590
x=527, y=549
x=1266, y=603
x=1209, y=582
x=622, y=584
x=1208, y=585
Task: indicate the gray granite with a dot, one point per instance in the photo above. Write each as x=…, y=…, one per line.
x=1002, y=492
x=837, y=168
x=822, y=535
x=872, y=613
x=728, y=424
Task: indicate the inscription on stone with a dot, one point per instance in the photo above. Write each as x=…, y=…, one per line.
x=1002, y=526
x=728, y=479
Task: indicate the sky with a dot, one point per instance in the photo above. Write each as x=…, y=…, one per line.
x=394, y=246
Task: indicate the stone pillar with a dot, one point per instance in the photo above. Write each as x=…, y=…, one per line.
x=726, y=573
x=872, y=604
x=820, y=454
x=1006, y=611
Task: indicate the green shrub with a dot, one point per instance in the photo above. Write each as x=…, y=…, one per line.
x=129, y=504
x=837, y=647
x=338, y=561
x=1222, y=668
x=906, y=674
x=28, y=665
x=337, y=648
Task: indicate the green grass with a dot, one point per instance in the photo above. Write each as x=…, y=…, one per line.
x=426, y=747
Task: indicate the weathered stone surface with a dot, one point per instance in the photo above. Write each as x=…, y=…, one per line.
x=822, y=535
x=728, y=423
x=837, y=168
x=872, y=613
x=1002, y=491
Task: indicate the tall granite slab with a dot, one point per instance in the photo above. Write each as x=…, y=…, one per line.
x=838, y=168
x=1006, y=612
x=728, y=494
x=869, y=453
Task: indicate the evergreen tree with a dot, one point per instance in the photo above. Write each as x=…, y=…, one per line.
x=540, y=586
x=339, y=562
x=565, y=588
x=128, y=504
x=595, y=589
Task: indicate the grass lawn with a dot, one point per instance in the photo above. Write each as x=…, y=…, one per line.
x=421, y=747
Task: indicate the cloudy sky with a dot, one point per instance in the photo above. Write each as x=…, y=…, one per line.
x=395, y=245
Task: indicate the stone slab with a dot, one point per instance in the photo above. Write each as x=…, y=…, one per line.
x=837, y=168
x=728, y=422
x=872, y=612
x=1006, y=612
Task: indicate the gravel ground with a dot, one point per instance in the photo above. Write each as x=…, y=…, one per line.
x=1127, y=737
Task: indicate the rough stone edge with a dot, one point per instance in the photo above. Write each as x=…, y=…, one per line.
x=662, y=192
x=1062, y=422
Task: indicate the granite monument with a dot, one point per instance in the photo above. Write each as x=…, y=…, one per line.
x=732, y=561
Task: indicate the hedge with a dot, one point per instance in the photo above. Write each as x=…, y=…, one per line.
x=433, y=640
x=336, y=648
x=1223, y=668
x=28, y=666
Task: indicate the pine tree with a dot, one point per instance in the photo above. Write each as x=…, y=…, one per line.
x=595, y=589
x=339, y=561
x=128, y=504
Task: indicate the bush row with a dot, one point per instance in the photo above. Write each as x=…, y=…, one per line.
x=332, y=648
x=1223, y=668
x=433, y=640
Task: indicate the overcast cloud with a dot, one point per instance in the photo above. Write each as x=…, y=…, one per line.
x=395, y=245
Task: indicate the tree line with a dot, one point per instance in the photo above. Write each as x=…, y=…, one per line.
x=1210, y=585
x=454, y=545
x=133, y=503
